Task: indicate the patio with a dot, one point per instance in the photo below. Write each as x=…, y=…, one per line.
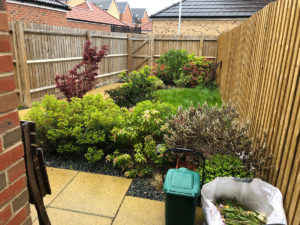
x=86, y=198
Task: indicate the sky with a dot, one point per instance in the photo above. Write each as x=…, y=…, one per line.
x=152, y=6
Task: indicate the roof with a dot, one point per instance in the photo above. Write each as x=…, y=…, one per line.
x=103, y=4
x=50, y=3
x=122, y=6
x=89, y=12
x=213, y=9
x=138, y=12
x=147, y=26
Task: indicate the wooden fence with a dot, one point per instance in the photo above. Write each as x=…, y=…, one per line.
x=42, y=51
x=260, y=74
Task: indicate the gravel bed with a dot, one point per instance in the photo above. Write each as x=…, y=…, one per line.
x=140, y=187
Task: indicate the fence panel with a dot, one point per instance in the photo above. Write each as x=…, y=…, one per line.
x=42, y=51
x=260, y=75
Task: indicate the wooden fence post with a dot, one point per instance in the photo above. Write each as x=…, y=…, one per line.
x=201, y=46
x=22, y=59
x=88, y=36
x=152, y=49
x=129, y=52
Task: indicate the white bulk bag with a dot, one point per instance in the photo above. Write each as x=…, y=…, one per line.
x=257, y=195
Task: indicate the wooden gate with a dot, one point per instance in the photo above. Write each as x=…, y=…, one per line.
x=140, y=51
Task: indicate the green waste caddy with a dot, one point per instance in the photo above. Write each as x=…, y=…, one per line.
x=182, y=190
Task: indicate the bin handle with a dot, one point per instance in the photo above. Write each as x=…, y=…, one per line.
x=184, y=150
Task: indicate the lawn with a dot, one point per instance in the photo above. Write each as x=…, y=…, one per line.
x=184, y=96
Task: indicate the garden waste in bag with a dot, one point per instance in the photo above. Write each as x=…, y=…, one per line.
x=255, y=194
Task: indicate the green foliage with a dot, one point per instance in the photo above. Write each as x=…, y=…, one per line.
x=186, y=96
x=138, y=87
x=224, y=166
x=145, y=119
x=139, y=161
x=177, y=67
x=212, y=130
x=79, y=126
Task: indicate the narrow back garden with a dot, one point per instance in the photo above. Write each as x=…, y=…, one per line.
x=174, y=103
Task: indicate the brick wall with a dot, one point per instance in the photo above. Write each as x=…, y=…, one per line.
x=14, y=206
x=89, y=26
x=194, y=26
x=126, y=17
x=145, y=19
x=31, y=14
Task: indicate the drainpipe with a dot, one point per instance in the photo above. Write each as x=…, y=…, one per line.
x=179, y=18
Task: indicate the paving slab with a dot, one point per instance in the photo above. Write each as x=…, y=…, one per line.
x=139, y=211
x=93, y=193
x=64, y=217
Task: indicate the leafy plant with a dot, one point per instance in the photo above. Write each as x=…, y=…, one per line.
x=138, y=87
x=82, y=125
x=145, y=119
x=82, y=77
x=224, y=166
x=140, y=161
x=212, y=130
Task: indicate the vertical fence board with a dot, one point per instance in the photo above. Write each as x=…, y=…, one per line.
x=260, y=74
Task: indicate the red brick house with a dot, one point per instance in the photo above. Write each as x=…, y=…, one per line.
x=140, y=16
x=87, y=15
x=147, y=28
x=125, y=13
x=14, y=205
x=52, y=12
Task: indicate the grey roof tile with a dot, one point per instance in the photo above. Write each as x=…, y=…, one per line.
x=138, y=12
x=103, y=4
x=213, y=8
x=122, y=6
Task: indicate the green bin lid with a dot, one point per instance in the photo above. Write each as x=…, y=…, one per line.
x=182, y=182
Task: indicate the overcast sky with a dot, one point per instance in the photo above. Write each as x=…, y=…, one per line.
x=152, y=6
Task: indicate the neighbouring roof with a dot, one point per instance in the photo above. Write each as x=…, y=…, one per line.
x=50, y=3
x=103, y=4
x=89, y=12
x=122, y=6
x=213, y=9
x=138, y=12
x=147, y=26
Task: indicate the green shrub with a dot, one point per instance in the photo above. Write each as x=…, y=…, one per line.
x=79, y=126
x=212, y=130
x=169, y=65
x=138, y=87
x=224, y=166
x=146, y=118
x=177, y=67
x=139, y=161
x=138, y=136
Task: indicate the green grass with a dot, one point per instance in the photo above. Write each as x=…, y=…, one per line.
x=184, y=96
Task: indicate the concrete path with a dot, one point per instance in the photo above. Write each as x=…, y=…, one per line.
x=80, y=198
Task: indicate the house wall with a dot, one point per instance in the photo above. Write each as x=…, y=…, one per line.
x=113, y=10
x=89, y=26
x=145, y=19
x=194, y=26
x=14, y=206
x=29, y=14
x=126, y=17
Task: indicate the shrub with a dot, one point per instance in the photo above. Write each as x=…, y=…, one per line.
x=79, y=126
x=170, y=64
x=140, y=161
x=138, y=87
x=177, y=67
x=212, y=130
x=224, y=166
x=82, y=77
x=138, y=136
